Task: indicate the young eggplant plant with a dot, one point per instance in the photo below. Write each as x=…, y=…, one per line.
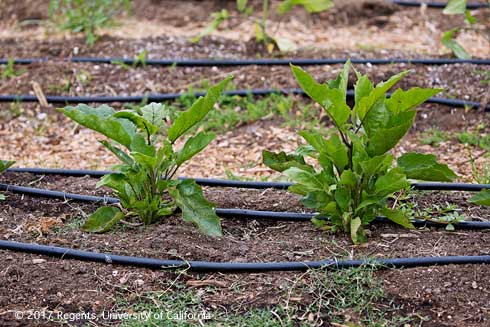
x=4, y=165
x=144, y=181
x=356, y=175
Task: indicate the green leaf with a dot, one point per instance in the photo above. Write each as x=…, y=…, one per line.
x=362, y=89
x=357, y=232
x=343, y=198
x=311, y=6
x=138, y=120
x=392, y=182
x=348, y=178
x=455, y=7
x=123, y=156
x=482, y=198
x=282, y=161
x=337, y=152
x=193, y=146
x=401, y=101
x=470, y=19
x=342, y=79
x=218, y=18
x=103, y=219
x=425, y=167
x=331, y=99
x=384, y=139
x=197, y=112
x=156, y=114
x=139, y=144
x=5, y=164
x=366, y=103
x=448, y=40
x=316, y=200
x=375, y=164
x=241, y=5
x=195, y=208
x=304, y=178
x=148, y=162
x=101, y=119
x=398, y=217
x=116, y=181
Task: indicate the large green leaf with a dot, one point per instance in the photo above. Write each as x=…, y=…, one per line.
x=306, y=179
x=311, y=6
x=449, y=41
x=193, y=146
x=357, y=233
x=282, y=161
x=455, y=7
x=197, y=112
x=101, y=119
x=103, y=219
x=140, y=144
x=391, y=182
x=482, y=198
x=425, y=167
x=342, y=80
x=195, y=208
x=123, y=156
x=362, y=89
x=366, y=103
x=337, y=152
x=385, y=139
x=331, y=99
x=156, y=114
x=398, y=217
x=5, y=164
x=401, y=101
x=138, y=120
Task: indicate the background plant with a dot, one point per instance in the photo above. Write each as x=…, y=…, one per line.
x=357, y=175
x=458, y=7
x=9, y=71
x=4, y=165
x=262, y=34
x=86, y=16
x=143, y=140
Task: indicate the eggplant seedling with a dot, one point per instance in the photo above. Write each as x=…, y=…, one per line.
x=357, y=175
x=143, y=140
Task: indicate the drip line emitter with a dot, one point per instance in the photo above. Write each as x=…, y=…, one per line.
x=230, y=267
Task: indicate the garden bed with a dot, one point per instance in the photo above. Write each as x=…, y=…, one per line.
x=55, y=222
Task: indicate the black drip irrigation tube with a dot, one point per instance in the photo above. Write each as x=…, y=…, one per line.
x=211, y=182
x=237, y=267
x=255, y=62
x=161, y=97
x=441, y=5
x=227, y=213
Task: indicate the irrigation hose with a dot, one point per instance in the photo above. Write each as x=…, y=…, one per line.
x=161, y=97
x=227, y=213
x=254, y=62
x=211, y=182
x=441, y=5
x=237, y=267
